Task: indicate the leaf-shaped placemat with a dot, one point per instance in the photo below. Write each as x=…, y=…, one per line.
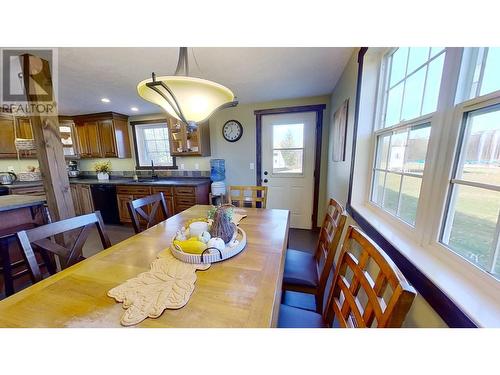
x=168, y=285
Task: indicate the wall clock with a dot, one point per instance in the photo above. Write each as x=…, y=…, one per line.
x=232, y=131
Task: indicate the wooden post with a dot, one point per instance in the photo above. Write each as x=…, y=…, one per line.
x=38, y=85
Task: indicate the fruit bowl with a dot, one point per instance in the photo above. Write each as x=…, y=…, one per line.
x=211, y=255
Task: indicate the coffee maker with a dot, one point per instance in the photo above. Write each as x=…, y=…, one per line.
x=73, y=170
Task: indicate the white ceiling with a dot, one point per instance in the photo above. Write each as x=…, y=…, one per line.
x=253, y=74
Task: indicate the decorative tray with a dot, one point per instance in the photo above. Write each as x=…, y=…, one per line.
x=212, y=255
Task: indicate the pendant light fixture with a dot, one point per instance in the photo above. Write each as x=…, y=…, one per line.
x=189, y=99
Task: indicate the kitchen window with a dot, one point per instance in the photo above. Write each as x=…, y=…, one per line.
x=152, y=145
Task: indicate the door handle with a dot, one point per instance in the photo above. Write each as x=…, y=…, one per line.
x=265, y=180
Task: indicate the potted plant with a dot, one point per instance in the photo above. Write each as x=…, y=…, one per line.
x=102, y=168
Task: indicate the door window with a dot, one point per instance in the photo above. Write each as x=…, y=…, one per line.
x=288, y=149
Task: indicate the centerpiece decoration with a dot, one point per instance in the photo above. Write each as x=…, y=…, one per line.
x=211, y=239
x=102, y=168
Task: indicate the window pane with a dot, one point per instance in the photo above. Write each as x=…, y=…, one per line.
x=398, y=66
x=472, y=219
x=410, y=191
x=152, y=144
x=417, y=149
x=418, y=56
x=432, y=85
x=491, y=77
x=287, y=161
x=397, y=151
x=414, y=90
x=288, y=136
x=391, y=192
x=482, y=147
x=435, y=51
x=393, y=110
x=378, y=187
x=382, y=151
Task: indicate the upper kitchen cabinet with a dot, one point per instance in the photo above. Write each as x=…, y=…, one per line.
x=12, y=127
x=7, y=136
x=103, y=135
x=188, y=140
x=69, y=141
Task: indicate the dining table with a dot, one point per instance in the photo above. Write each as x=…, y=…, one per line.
x=239, y=292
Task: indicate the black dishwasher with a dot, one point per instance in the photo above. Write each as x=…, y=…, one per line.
x=104, y=197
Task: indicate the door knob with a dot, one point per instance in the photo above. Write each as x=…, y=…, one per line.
x=265, y=180
x=265, y=173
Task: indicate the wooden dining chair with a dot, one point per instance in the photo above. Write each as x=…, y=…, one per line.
x=308, y=273
x=77, y=228
x=248, y=196
x=368, y=290
x=149, y=217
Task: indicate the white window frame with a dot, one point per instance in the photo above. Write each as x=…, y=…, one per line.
x=139, y=138
x=472, y=288
x=289, y=174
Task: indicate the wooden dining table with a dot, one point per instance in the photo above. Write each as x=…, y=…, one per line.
x=243, y=291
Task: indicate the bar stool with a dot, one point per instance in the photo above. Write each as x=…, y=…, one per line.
x=13, y=270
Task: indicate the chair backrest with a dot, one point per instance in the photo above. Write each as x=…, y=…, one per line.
x=248, y=196
x=39, y=237
x=368, y=289
x=150, y=218
x=328, y=241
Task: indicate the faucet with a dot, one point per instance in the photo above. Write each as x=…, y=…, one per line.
x=154, y=176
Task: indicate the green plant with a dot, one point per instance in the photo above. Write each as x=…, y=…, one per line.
x=102, y=166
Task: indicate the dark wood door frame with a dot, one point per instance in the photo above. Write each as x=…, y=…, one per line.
x=318, y=108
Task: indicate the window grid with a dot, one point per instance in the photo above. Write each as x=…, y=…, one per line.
x=153, y=144
x=389, y=62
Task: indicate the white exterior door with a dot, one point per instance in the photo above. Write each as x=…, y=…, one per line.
x=288, y=142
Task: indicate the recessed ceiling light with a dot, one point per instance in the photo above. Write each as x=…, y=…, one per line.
x=135, y=109
x=105, y=100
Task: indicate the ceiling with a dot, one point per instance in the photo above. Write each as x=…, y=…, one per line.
x=86, y=75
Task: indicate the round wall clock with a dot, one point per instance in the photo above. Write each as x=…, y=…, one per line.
x=232, y=131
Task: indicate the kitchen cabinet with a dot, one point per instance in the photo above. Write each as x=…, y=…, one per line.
x=7, y=136
x=126, y=194
x=177, y=198
x=82, y=199
x=37, y=190
x=69, y=140
x=103, y=135
x=188, y=141
x=169, y=199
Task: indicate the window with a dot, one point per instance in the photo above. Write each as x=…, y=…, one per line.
x=472, y=224
x=152, y=145
x=399, y=166
x=483, y=71
x=412, y=83
x=288, y=148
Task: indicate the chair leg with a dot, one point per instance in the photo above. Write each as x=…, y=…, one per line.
x=319, y=303
x=7, y=268
x=48, y=261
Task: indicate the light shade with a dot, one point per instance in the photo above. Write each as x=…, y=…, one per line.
x=197, y=98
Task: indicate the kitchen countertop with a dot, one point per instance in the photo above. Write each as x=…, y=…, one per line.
x=20, y=184
x=129, y=181
x=14, y=201
x=166, y=181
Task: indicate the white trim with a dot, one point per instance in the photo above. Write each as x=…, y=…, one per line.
x=473, y=289
x=470, y=288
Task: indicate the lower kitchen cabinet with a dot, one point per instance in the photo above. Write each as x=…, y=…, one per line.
x=177, y=198
x=82, y=199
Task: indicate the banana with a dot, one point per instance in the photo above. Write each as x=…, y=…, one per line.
x=192, y=246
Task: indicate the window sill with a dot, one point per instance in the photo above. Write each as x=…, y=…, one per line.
x=474, y=291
